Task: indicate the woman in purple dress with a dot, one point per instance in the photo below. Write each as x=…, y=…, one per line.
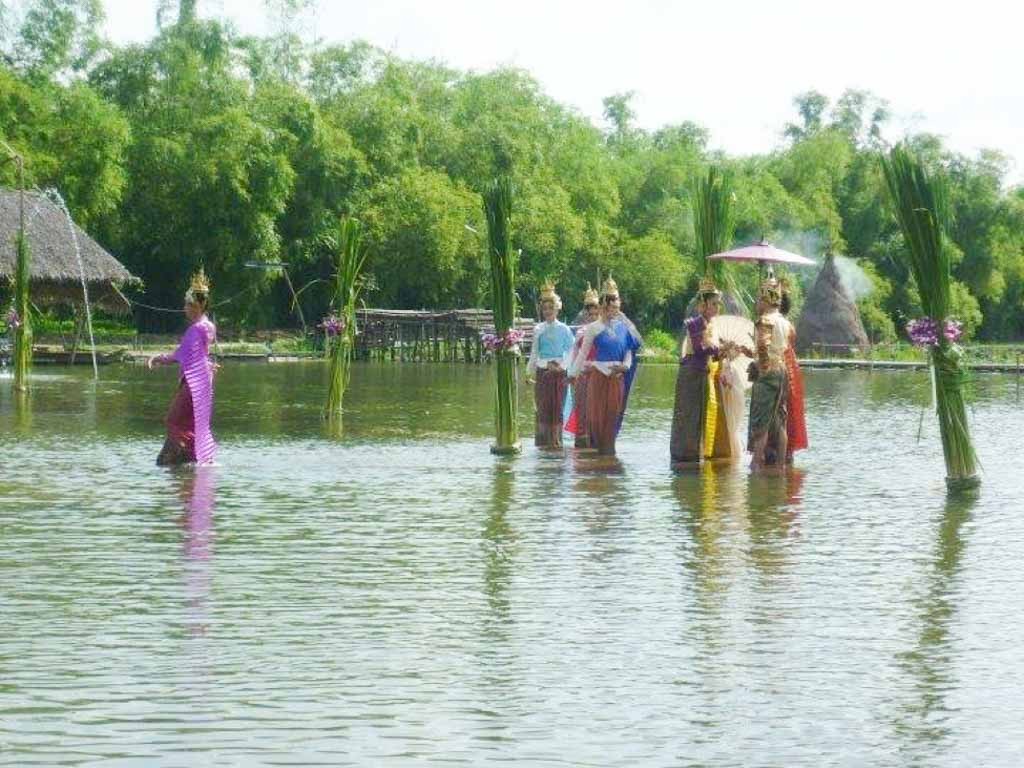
x=188, y=419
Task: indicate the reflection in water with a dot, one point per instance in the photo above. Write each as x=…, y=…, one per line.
x=197, y=490
x=929, y=662
x=22, y=412
x=711, y=499
x=499, y=538
x=601, y=482
x=773, y=507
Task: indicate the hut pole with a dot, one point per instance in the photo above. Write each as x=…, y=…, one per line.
x=23, y=333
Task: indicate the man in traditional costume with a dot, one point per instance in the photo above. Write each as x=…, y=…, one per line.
x=769, y=398
x=576, y=424
x=188, y=419
x=549, y=360
x=699, y=425
x=615, y=342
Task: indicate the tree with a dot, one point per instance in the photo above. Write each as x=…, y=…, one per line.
x=56, y=37
x=811, y=107
x=424, y=233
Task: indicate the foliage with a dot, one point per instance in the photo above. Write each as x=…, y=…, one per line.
x=498, y=208
x=204, y=146
x=350, y=256
x=920, y=203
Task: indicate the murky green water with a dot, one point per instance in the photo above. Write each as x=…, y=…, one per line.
x=402, y=597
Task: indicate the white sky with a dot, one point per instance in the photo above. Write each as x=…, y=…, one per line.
x=730, y=65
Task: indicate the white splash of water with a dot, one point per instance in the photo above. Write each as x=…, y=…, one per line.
x=855, y=281
x=54, y=195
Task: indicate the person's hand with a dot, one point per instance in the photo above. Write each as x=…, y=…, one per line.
x=216, y=367
x=530, y=380
x=151, y=361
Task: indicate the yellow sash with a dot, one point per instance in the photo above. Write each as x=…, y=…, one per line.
x=711, y=418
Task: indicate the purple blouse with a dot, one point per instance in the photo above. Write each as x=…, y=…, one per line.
x=700, y=352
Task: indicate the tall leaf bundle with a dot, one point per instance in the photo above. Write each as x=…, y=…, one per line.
x=498, y=209
x=350, y=257
x=921, y=205
x=713, y=220
x=714, y=224
x=22, y=305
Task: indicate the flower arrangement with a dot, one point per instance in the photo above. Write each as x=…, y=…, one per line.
x=509, y=341
x=340, y=325
x=505, y=343
x=921, y=205
x=924, y=332
x=333, y=325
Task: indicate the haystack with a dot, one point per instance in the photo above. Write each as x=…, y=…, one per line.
x=829, y=320
x=55, y=275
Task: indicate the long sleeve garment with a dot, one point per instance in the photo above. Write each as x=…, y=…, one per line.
x=193, y=355
x=552, y=342
x=614, y=342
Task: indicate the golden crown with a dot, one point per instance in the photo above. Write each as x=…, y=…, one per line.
x=708, y=289
x=547, y=293
x=590, y=296
x=610, y=287
x=199, y=284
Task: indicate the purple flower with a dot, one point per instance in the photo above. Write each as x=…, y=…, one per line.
x=509, y=341
x=924, y=332
x=333, y=325
x=13, y=320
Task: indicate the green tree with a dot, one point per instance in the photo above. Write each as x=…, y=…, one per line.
x=424, y=234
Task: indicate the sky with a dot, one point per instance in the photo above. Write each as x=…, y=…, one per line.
x=733, y=67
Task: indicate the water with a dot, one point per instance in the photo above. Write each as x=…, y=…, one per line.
x=403, y=597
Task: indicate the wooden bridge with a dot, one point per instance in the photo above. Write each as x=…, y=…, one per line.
x=421, y=335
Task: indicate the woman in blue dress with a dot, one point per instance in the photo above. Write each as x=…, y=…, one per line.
x=615, y=342
x=549, y=360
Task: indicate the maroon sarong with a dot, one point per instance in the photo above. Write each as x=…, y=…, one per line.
x=579, y=396
x=604, y=404
x=549, y=397
x=180, y=445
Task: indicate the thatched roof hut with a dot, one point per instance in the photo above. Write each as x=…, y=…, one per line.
x=829, y=319
x=55, y=275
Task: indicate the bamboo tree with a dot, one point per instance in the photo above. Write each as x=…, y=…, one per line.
x=340, y=327
x=498, y=208
x=922, y=209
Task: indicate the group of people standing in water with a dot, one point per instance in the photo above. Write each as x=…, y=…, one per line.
x=582, y=379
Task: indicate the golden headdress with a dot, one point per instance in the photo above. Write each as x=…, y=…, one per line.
x=199, y=287
x=708, y=290
x=547, y=293
x=590, y=296
x=770, y=291
x=610, y=287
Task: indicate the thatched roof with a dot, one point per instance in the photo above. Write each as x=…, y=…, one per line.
x=55, y=277
x=829, y=317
